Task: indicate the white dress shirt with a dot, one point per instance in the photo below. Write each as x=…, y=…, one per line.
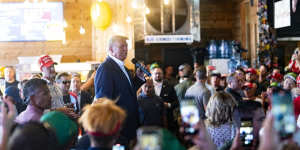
x=121, y=65
x=157, y=88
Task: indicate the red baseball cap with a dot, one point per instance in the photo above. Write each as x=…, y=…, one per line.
x=251, y=70
x=248, y=85
x=277, y=77
x=211, y=68
x=46, y=61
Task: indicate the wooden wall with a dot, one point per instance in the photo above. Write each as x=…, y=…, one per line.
x=245, y=27
x=217, y=19
x=236, y=23
x=78, y=47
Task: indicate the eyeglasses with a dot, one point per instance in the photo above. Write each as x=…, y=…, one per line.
x=66, y=82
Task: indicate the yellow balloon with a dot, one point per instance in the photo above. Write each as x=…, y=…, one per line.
x=101, y=15
x=2, y=71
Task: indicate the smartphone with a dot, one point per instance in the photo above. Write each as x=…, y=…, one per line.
x=118, y=147
x=190, y=115
x=149, y=138
x=70, y=105
x=283, y=112
x=246, y=132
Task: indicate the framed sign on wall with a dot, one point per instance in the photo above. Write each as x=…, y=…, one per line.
x=31, y=21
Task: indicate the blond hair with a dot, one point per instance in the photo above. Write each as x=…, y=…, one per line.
x=103, y=116
x=220, y=108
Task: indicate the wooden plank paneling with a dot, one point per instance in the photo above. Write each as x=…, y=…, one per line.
x=246, y=23
x=216, y=19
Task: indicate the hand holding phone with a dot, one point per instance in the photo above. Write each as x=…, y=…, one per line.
x=283, y=112
x=190, y=115
x=246, y=132
x=149, y=138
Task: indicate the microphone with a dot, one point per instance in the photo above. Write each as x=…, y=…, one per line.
x=137, y=64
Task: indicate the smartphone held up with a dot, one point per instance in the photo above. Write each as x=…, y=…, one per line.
x=246, y=132
x=190, y=115
x=283, y=112
x=149, y=138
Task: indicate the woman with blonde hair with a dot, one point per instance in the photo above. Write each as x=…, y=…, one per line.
x=102, y=121
x=219, y=122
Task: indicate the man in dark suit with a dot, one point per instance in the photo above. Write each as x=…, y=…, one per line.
x=113, y=81
x=168, y=94
x=82, y=97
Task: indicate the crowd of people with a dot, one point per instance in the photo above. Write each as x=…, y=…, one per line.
x=115, y=108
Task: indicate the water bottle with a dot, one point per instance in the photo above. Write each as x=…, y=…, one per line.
x=227, y=47
x=232, y=65
x=230, y=50
x=234, y=50
x=222, y=49
x=212, y=49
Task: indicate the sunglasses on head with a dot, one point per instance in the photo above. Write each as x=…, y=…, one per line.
x=67, y=81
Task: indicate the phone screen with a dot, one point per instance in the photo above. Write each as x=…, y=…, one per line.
x=190, y=115
x=149, y=142
x=118, y=147
x=246, y=132
x=149, y=138
x=283, y=112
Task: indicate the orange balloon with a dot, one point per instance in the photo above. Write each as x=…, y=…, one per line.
x=101, y=15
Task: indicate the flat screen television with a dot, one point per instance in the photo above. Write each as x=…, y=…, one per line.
x=290, y=31
x=31, y=21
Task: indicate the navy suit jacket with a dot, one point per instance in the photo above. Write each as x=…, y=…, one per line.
x=111, y=82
